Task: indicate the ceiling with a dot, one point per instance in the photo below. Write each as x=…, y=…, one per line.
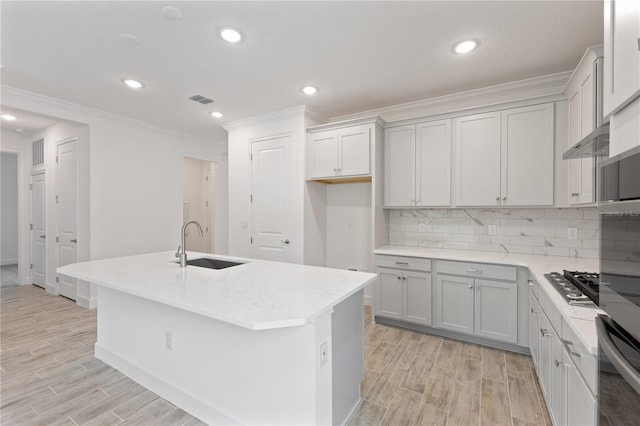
x=26, y=122
x=361, y=55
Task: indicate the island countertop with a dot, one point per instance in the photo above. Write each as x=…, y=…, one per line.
x=257, y=295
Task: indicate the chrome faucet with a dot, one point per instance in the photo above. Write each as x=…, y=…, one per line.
x=182, y=250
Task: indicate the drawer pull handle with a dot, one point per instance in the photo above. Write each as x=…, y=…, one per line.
x=534, y=311
x=402, y=263
x=568, y=343
x=544, y=332
x=531, y=284
x=563, y=364
x=474, y=271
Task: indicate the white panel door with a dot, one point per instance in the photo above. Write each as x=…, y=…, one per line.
x=417, y=297
x=527, y=156
x=67, y=198
x=272, y=187
x=534, y=334
x=389, y=294
x=478, y=160
x=496, y=310
x=621, y=54
x=581, y=405
x=400, y=164
x=323, y=158
x=354, y=147
x=433, y=169
x=38, y=233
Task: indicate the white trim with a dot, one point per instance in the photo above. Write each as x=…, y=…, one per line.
x=189, y=403
x=265, y=118
x=87, y=302
x=9, y=90
x=347, y=123
x=51, y=288
x=353, y=410
x=549, y=85
x=6, y=262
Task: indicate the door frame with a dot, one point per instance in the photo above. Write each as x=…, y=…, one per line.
x=23, y=246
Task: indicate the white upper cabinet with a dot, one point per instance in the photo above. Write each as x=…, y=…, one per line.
x=477, y=143
x=621, y=54
x=584, y=93
x=337, y=153
x=505, y=158
x=418, y=165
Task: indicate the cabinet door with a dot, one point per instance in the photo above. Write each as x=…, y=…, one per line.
x=496, y=310
x=390, y=294
x=477, y=168
x=527, y=156
x=400, y=163
x=557, y=398
x=580, y=403
x=323, y=154
x=534, y=333
x=417, y=297
x=454, y=303
x=544, y=373
x=621, y=54
x=433, y=167
x=353, y=152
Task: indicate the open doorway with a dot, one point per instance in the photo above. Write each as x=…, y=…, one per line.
x=10, y=249
x=198, y=203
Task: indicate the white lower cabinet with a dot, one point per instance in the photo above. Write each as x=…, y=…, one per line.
x=570, y=398
x=402, y=293
x=482, y=307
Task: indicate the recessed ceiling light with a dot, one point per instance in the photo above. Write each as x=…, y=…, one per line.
x=8, y=117
x=465, y=46
x=172, y=13
x=134, y=84
x=216, y=114
x=230, y=35
x=309, y=90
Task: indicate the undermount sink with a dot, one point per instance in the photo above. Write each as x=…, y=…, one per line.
x=205, y=262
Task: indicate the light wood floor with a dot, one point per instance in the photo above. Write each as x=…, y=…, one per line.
x=418, y=379
x=49, y=376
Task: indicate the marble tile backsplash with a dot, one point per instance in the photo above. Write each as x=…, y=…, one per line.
x=528, y=231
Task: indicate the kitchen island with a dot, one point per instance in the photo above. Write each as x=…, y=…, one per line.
x=257, y=343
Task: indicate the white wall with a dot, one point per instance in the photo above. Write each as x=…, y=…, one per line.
x=135, y=175
x=17, y=143
x=9, y=208
x=349, y=226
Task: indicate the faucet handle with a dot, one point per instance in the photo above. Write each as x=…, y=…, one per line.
x=178, y=252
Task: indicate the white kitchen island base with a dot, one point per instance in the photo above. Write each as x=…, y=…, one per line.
x=226, y=374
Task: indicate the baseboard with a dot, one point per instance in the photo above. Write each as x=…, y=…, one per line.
x=353, y=410
x=51, y=288
x=368, y=300
x=455, y=335
x=87, y=302
x=5, y=262
x=189, y=403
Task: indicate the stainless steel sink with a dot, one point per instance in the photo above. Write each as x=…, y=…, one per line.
x=205, y=262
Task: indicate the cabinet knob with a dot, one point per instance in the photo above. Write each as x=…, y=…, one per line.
x=504, y=198
x=497, y=198
x=470, y=285
x=534, y=311
x=399, y=277
x=544, y=332
x=560, y=364
x=531, y=284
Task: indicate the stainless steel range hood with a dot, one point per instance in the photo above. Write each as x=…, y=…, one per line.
x=594, y=144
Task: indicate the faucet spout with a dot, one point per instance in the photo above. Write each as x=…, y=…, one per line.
x=182, y=249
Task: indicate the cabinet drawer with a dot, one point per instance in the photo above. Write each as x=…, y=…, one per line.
x=402, y=262
x=479, y=270
x=585, y=363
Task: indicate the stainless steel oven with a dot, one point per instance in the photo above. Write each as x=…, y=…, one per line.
x=619, y=293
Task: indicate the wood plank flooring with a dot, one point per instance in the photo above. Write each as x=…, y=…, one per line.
x=418, y=379
x=49, y=376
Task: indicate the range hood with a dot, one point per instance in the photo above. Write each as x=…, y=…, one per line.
x=594, y=144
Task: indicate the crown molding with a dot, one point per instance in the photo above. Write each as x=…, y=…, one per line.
x=538, y=87
x=376, y=120
x=298, y=111
x=73, y=108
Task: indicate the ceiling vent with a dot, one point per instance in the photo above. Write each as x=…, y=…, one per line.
x=201, y=99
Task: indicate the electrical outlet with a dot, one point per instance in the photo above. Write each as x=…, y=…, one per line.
x=168, y=340
x=422, y=227
x=324, y=353
x=572, y=233
x=493, y=229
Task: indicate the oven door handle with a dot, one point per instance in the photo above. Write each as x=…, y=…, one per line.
x=621, y=364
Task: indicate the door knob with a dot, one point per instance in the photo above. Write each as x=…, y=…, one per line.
x=285, y=241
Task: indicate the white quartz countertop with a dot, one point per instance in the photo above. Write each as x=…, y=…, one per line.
x=581, y=320
x=257, y=295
